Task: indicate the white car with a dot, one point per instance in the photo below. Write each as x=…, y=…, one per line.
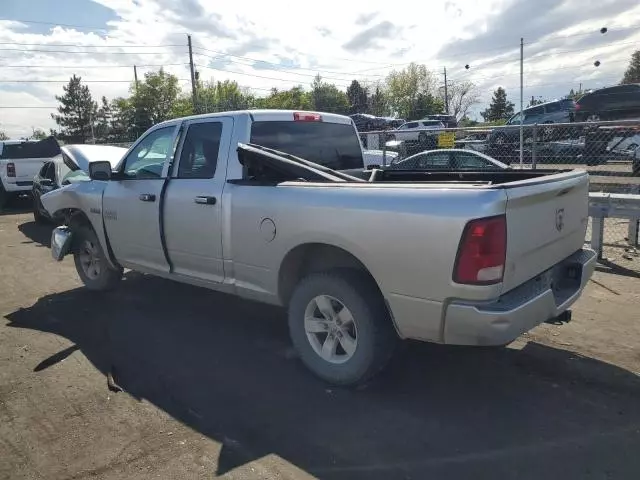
x=378, y=157
x=449, y=159
x=414, y=131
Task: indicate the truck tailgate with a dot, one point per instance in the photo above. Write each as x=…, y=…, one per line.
x=546, y=222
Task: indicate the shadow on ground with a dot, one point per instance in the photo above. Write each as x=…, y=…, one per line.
x=224, y=367
x=22, y=204
x=39, y=233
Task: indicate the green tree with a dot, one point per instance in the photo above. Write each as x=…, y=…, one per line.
x=38, y=134
x=377, y=102
x=534, y=101
x=154, y=99
x=122, y=125
x=77, y=111
x=102, y=129
x=357, y=95
x=499, y=108
x=632, y=74
x=411, y=92
x=325, y=97
x=223, y=96
x=293, y=99
x=3, y=136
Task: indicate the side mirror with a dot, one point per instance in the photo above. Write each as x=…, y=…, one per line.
x=100, y=170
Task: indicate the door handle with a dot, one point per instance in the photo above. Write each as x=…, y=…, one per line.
x=147, y=197
x=203, y=200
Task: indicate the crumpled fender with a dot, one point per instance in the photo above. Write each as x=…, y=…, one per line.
x=83, y=196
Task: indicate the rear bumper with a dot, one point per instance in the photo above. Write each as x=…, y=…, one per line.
x=523, y=308
x=21, y=186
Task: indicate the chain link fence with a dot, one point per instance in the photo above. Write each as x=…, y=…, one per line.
x=609, y=151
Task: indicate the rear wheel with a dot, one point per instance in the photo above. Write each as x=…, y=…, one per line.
x=4, y=197
x=91, y=263
x=340, y=326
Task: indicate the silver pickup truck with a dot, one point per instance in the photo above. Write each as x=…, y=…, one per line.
x=360, y=259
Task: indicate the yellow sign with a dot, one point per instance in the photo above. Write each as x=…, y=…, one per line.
x=446, y=139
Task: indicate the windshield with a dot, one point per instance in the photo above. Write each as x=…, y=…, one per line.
x=515, y=119
x=333, y=145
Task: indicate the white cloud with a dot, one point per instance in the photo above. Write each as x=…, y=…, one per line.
x=308, y=39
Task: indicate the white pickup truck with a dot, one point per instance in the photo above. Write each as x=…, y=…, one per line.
x=20, y=161
x=360, y=260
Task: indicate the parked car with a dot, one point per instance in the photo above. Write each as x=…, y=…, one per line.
x=394, y=122
x=20, y=160
x=558, y=111
x=415, y=131
x=71, y=165
x=466, y=258
x=376, y=158
x=620, y=102
x=365, y=122
x=449, y=159
x=449, y=121
x=474, y=140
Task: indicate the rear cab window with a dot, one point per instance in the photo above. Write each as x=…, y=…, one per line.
x=334, y=145
x=46, y=148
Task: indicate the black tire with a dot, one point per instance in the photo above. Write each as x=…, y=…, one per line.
x=376, y=336
x=37, y=216
x=4, y=197
x=106, y=278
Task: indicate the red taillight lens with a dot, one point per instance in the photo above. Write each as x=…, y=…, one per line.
x=482, y=252
x=307, y=117
x=11, y=169
x=578, y=106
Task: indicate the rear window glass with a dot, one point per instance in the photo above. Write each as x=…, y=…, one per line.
x=333, y=145
x=46, y=148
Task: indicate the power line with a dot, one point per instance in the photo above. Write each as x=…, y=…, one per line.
x=67, y=80
x=95, y=66
x=280, y=65
x=56, y=24
x=254, y=75
x=89, y=52
x=131, y=45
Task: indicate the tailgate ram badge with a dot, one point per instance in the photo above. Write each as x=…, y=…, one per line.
x=559, y=219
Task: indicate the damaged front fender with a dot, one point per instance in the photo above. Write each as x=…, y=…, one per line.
x=84, y=198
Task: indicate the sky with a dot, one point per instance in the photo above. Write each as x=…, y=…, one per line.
x=283, y=43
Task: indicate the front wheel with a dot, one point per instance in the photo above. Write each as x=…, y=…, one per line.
x=38, y=217
x=91, y=263
x=340, y=326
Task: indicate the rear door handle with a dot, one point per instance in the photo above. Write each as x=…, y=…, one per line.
x=147, y=197
x=203, y=200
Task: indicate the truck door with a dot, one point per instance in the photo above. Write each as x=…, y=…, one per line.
x=192, y=207
x=131, y=202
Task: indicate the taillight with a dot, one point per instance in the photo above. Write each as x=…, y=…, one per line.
x=307, y=117
x=11, y=169
x=482, y=252
x=577, y=106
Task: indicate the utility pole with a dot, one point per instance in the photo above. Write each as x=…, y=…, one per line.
x=521, y=100
x=135, y=76
x=193, y=74
x=446, y=93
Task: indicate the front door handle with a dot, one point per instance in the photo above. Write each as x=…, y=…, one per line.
x=147, y=197
x=203, y=200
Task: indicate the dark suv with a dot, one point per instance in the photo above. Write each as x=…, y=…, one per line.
x=449, y=121
x=612, y=103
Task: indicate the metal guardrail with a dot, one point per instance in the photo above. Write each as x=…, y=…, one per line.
x=613, y=205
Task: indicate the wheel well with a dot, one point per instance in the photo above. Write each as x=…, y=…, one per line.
x=311, y=258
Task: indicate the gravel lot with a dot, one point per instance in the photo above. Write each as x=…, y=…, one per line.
x=212, y=388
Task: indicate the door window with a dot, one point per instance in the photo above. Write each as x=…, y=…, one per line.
x=412, y=125
x=146, y=160
x=434, y=160
x=470, y=161
x=199, y=155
